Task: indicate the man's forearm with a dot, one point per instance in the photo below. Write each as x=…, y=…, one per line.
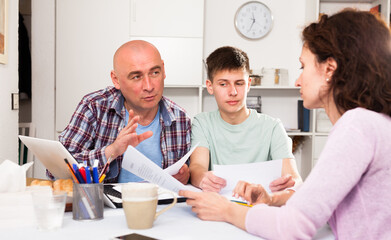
x=110, y=152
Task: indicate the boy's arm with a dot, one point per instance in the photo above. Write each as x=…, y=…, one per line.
x=199, y=174
x=289, y=167
x=290, y=177
x=199, y=165
x=281, y=148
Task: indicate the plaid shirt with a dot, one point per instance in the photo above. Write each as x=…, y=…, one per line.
x=99, y=118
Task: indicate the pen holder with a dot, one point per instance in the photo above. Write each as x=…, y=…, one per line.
x=87, y=201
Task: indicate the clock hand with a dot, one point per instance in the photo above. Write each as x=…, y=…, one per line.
x=251, y=23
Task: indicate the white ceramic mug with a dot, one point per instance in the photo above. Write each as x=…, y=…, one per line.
x=139, y=201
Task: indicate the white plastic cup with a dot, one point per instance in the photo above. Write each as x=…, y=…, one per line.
x=49, y=209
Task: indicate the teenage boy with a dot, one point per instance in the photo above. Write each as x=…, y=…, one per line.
x=235, y=134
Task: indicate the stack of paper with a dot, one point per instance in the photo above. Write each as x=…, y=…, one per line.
x=259, y=173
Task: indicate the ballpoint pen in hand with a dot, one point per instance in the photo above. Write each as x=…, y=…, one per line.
x=106, y=167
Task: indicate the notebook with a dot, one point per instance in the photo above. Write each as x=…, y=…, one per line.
x=113, y=196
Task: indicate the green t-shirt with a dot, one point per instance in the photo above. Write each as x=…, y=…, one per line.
x=259, y=138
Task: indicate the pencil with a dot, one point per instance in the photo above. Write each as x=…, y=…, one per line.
x=102, y=178
x=71, y=170
x=242, y=203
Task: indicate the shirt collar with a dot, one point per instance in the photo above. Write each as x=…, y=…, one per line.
x=118, y=102
x=166, y=113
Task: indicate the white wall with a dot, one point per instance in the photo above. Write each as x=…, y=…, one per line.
x=279, y=49
x=43, y=72
x=9, y=84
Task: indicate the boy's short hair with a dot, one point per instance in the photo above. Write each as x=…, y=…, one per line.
x=226, y=58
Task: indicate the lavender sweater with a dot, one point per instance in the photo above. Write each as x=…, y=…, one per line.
x=350, y=186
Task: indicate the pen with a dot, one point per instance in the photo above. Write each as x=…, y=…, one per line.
x=82, y=171
x=106, y=166
x=88, y=175
x=77, y=173
x=96, y=163
x=242, y=203
x=71, y=170
x=95, y=175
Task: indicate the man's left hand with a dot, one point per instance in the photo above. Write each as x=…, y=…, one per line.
x=183, y=174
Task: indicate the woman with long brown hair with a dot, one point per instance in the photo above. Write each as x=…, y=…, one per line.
x=346, y=62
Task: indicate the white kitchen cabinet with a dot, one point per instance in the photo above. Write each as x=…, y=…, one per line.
x=88, y=32
x=169, y=18
x=176, y=28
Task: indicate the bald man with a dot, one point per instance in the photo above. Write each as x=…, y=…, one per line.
x=133, y=112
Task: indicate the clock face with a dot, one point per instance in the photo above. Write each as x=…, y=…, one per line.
x=253, y=20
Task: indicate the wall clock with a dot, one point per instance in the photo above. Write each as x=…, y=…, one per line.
x=253, y=20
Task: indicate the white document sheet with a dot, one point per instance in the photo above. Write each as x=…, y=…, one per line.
x=174, y=169
x=258, y=173
x=138, y=164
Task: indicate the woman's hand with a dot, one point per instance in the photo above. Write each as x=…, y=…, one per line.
x=252, y=193
x=207, y=205
x=213, y=207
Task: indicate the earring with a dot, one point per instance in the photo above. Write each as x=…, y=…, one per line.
x=327, y=79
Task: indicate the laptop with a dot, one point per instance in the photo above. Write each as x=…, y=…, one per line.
x=51, y=154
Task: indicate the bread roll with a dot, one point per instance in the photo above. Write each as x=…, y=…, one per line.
x=37, y=182
x=63, y=185
x=58, y=185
